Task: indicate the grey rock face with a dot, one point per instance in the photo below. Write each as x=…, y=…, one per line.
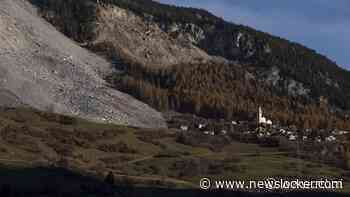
x=142, y=40
x=273, y=77
x=42, y=68
x=186, y=32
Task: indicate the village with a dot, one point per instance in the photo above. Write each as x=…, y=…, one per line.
x=322, y=144
x=261, y=128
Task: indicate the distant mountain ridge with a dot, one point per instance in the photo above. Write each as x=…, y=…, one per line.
x=153, y=43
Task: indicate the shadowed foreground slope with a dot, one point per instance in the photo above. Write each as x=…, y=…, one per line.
x=51, y=182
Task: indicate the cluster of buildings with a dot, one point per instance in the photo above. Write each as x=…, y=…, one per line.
x=204, y=128
x=264, y=129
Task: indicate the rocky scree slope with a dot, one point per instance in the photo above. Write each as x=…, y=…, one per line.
x=42, y=68
x=141, y=41
x=118, y=33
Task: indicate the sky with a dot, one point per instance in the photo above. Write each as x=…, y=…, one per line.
x=322, y=25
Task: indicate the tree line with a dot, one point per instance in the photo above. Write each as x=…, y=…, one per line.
x=221, y=90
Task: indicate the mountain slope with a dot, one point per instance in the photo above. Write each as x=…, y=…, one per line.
x=42, y=68
x=140, y=41
x=296, y=64
x=243, y=68
x=125, y=35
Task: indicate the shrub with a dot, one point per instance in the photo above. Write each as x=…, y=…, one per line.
x=67, y=120
x=110, y=178
x=120, y=147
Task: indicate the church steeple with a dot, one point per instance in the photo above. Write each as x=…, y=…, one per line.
x=260, y=115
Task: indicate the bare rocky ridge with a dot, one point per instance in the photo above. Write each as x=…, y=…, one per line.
x=142, y=40
x=42, y=68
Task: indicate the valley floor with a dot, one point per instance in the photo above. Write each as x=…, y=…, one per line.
x=31, y=141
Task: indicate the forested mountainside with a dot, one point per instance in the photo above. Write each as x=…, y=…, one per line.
x=295, y=84
x=315, y=72
x=222, y=90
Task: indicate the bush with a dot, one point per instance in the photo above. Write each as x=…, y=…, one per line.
x=120, y=147
x=67, y=120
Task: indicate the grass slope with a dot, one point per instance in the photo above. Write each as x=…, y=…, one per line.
x=138, y=157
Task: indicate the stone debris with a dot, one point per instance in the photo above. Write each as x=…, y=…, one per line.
x=42, y=68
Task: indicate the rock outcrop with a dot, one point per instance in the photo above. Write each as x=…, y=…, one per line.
x=142, y=40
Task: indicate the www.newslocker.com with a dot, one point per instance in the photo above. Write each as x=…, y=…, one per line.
x=271, y=184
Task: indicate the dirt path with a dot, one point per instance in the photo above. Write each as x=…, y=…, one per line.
x=158, y=178
x=139, y=159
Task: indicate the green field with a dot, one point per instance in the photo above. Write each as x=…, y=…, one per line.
x=140, y=157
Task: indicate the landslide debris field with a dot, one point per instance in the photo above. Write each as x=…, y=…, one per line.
x=42, y=68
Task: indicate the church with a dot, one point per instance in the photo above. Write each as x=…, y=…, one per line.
x=261, y=120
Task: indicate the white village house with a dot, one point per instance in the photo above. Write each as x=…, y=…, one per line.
x=184, y=128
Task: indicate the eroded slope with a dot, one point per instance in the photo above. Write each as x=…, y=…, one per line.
x=42, y=68
x=140, y=40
